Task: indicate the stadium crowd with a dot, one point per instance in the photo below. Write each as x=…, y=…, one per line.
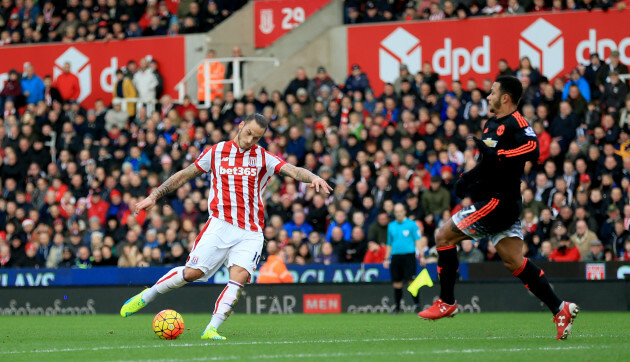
x=70, y=175
x=45, y=21
x=375, y=11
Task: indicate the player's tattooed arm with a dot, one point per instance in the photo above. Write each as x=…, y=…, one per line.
x=297, y=173
x=306, y=176
x=176, y=181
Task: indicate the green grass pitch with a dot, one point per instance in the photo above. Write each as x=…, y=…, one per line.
x=596, y=336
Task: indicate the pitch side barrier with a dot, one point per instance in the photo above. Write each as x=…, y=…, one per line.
x=309, y=274
x=473, y=297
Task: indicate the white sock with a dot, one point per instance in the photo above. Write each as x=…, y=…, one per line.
x=172, y=280
x=225, y=303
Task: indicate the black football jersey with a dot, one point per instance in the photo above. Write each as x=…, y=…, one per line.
x=515, y=143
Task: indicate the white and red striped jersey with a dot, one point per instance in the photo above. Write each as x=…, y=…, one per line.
x=238, y=180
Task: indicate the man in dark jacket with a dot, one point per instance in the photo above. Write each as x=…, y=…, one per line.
x=357, y=81
x=300, y=81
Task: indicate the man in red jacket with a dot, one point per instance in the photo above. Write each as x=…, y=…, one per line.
x=375, y=254
x=68, y=84
x=565, y=251
x=98, y=206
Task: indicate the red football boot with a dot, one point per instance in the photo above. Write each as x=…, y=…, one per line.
x=438, y=310
x=564, y=319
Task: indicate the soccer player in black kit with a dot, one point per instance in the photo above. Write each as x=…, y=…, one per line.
x=494, y=186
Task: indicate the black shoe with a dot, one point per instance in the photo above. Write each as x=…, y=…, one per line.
x=395, y=312
x=416, y=308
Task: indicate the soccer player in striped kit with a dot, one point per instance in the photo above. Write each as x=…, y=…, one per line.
x=233, y=235
x=494, y=185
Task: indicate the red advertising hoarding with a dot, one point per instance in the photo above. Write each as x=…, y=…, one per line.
x=274, y=18
x=554, y=42
x=95, y=63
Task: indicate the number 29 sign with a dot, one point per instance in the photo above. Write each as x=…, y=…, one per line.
x=274, y=18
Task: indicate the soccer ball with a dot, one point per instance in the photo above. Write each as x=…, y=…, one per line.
x=168, y=324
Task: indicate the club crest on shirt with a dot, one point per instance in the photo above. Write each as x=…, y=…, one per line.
x=253, y=162
x=500, y=130
x=194, y=260
x=406, y=233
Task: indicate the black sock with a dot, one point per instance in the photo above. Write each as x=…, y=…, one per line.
x=447, y=270
x=397, y=297
x=535, y=280
x=416, y=299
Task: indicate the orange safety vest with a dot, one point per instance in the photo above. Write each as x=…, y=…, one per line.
x=217, y=72
x=274, y=271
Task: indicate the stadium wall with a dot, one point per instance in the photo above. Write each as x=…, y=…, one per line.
x=473, y=297
x=320, y=40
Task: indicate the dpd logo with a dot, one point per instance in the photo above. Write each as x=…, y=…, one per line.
x=399, y=47
x=78, y=66
x=544, y=45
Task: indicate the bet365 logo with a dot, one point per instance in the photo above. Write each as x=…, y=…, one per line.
x=238, y=171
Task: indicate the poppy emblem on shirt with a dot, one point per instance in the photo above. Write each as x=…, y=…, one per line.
x=406, y=233
x=500, y=130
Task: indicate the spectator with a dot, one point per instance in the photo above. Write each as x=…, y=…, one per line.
x=562, y=129
x=116, y=118
x=68, y=84
x=615, y=93
x=514, y=8
x=375, y=253
x=328, y=256
x=580, y=82
x=372, y=13
x=546, y=249
x=299, y=82
x=146, y=82
x=274, y=270
x=51, y=94
x=322, y=79
x=583, y=237
x=357, y=81
x=298, y=223
x=565, y=251
x=470, y=254
x=124, y=88
x=596, y=252
x=11, y=92
x=83, y=259
x=354, y=250
x=624, y=255
x=32, y=85
x=436, y=199
x=216, y=73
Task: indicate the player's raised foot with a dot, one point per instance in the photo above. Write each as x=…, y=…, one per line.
x=438, y=310
x=133, y=305
x=211, y=333
x=564, y=319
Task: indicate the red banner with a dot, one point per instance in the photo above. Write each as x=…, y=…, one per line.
x=274, y=18
x=554, y=42
x=95, y=63
x=322, y=303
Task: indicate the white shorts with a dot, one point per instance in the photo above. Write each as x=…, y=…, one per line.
x=221, y=243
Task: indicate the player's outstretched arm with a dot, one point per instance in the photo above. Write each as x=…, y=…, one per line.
x=172, y=183
x=306, y=176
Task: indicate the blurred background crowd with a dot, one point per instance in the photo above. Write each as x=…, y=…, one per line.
x=44, y=21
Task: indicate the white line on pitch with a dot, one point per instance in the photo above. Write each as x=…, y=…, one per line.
x=217, y=344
